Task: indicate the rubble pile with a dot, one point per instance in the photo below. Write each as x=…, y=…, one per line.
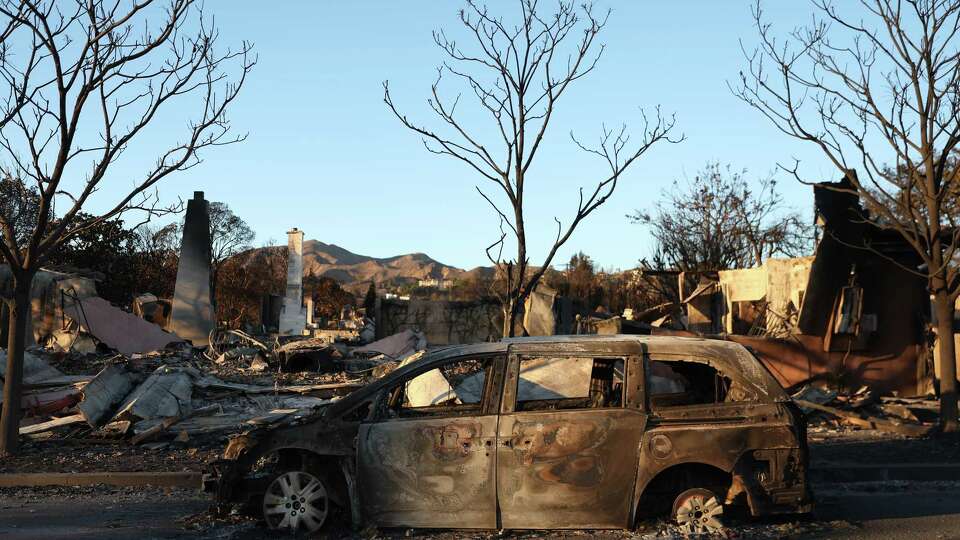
x=864, y=409
x=353, y=326
x=181, y=393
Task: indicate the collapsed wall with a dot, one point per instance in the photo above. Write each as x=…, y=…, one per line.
x=443, y=322
x=49, y=293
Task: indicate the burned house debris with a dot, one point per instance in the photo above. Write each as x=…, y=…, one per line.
x=850, y=314
x=67, y=315
x=50, y=292
x=137, y=382
x=860, y=316
x=142, y=384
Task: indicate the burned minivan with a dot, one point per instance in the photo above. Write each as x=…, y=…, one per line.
x=564, y=432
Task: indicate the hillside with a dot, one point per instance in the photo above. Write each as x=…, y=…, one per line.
x=350, y=268
x=355, y=271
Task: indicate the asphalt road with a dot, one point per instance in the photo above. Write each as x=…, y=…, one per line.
x=882, y=511
x=91, y=519
x=906, y=514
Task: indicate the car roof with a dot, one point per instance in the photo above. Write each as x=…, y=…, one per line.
x=592, y=338
x=731, y=356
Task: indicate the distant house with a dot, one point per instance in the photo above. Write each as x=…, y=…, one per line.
x=435, y=283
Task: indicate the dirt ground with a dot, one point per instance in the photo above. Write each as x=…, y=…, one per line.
x=59, y=456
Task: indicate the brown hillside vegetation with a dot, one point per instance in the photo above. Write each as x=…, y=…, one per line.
x=351, y=269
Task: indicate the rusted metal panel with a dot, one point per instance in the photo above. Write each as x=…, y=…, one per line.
x=568, y=469
x=434, y=472
x=636, y=394
x=727, y=437
x=890, y=364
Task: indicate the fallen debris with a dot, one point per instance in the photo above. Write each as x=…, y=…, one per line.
x=869, y=423
x=50, y=400
x=104, y=392
x=152, y=309
x=395, y=347
x=117, y=329
x=175, y=397
x=35, y=369
x=212, y=382
x=166, y=393
x=55, y=423
x=310, y=355
x=814, y=394
x=167, y=423
x=899, y=411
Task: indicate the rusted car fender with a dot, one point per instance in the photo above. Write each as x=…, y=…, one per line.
x=243, y=452
x=741, y=469
x=246, y=449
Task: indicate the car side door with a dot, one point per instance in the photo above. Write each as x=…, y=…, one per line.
x=426, y=458
x=568, y=440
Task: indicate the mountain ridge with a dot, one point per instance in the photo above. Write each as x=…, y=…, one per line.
x=351, y=268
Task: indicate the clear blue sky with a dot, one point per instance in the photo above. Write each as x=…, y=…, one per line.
x=324, y=154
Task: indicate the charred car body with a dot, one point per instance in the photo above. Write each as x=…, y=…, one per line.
x=535, y=433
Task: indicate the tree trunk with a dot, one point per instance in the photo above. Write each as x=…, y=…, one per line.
x=13, y=381
x=509, y=318
x=948, y=367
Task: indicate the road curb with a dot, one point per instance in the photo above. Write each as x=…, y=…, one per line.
x=842, y=473
x=122, y=479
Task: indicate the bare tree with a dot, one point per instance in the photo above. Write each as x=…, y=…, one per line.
x=720, y=220
x=517, y=73
x=877, y=91
x=84, y=79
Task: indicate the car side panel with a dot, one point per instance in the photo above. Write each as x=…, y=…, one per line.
x=435, y=472
x=755, y=443
x=567, y=469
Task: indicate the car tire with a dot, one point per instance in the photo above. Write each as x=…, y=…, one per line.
x=698, y=511
x=297, y=502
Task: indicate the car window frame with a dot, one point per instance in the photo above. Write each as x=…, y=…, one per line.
x=655, y=356
x=488, y=401
x=511, y=381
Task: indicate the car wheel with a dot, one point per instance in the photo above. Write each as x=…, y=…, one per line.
x=698, y=511
x=296, y=501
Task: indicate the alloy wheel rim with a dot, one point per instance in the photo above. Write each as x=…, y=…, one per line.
x=295, y=501
x=699, y=513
